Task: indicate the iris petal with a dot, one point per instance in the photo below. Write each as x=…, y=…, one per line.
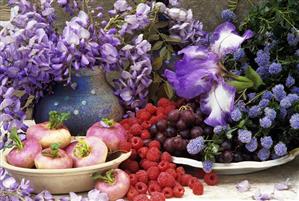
x=218, y=103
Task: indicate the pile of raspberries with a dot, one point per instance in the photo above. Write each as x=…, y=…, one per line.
x=153, y=176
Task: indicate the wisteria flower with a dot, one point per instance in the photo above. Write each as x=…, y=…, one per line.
x=243, y=186
x=200, y=73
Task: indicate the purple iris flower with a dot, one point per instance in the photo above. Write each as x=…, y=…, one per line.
x=200, y=73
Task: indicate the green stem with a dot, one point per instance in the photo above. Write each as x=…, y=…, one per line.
x=56, y=119
x=16, y=139
x=283, y=16
x=108, y=177
x=81, y=149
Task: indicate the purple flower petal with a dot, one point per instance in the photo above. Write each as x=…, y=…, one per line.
x=218, y=103
x=283, y=185
x=243, y=186
x=262, y=196
x=226, y=41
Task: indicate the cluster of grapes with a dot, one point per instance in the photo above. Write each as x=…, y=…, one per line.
x=180, y=126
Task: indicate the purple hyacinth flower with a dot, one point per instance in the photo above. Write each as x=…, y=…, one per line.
x=263, y=154
x=207, y=166
x=280, y=149
x=267, y=142
x=265, y=122
x=196, y=145
x=236, y=114
x=290, y=81
x=244, y=136
x=294, y=121
x=275, y=68
x=252, y=145
x=270, y=113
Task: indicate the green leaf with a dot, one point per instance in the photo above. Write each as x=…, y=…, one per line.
x=229, y=134
x=157, y=45
x=157, y=63
x=173, y=40
x=163, y=52
x=168, y=90
x=154, y=37
x=254, y=76
x=156, y=78
x=241, y=85
x=161, y=24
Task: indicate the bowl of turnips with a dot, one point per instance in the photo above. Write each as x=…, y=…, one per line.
x=51, y=158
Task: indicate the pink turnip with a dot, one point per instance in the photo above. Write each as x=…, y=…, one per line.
x=53, y=158
x=52, y=132
x=111, y=132
x=87, y=151
x=23, y=154
x=114, y=182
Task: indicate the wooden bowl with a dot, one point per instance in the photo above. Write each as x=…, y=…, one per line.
x=240, y=167
x=62, y=181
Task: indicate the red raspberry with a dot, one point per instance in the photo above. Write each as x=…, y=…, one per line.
x=185, y=179
x=143, y=115
x=130, y=165
x=141, y=197
x=199, y=173
x=172, y=172
x=136, y=129
x=160, y=111
x=211, y=179
x=156, y=196
x=142, y=176
x=166, y=157
x=125, y=146
x=163, y=165
x=154, y=187
x=178, y=191
x=126, y=126
x=172, y=165
x=141, y=187
x=136, y=142
x=192, y=181
x=133, y=154
x=151, y=108
x=146, y=124
x=146, y=164
x=145, y=134
x=161, y=116
x=180, y=171
x=197, y=188
x=132, y=121
x=124, y=121
x=168, y=109
x=155, y=143
x=166, y=180
x=132, y=193
x=142, y=152
x=153, y=120
x=153, y=154
x=163, y=102
x=133, y=179
x=153, y=172
x=168, y=192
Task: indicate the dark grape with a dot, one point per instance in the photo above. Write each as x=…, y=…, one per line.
x=160, y=137
x=208, y=130
x=188, y=116
x=153, y=129
x=219, y=158
x=196, y=132
x=174, y=115
x=181, y=125
x=168, y=145
x=185, y=134
x=170, y=132
x=162, y=125
x=198, y=120
x=226, y=145
x=178, y=143
x=227, y=156
x=238, y=157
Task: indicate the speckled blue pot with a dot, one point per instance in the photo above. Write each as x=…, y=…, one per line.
x=92, y=100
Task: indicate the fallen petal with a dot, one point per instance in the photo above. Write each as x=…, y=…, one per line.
x=243, y=186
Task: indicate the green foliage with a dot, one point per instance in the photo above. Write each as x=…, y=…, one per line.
x=56, y=119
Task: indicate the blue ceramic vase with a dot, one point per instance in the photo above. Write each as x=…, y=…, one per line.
x=88, y=100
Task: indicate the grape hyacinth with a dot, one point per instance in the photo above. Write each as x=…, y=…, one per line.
x=294, y=121
x=219, y=129
x=264, y=103
x=270, y=113
x=262, y=58
x=267, y=95
x=196, y=145
x=266, y=142
x=236, y=114
x=290, y=81
x=239, y=54
x=228, y=15
x=293, y=39
x=280, y=149
x=275, y=68
x=244, y=136
x=254, y=111
x=265, y=122
x=252, y=145
x=207, y=166
x=279, y=92
x=263, y=154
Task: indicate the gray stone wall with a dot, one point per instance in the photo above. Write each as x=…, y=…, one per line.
x=208, y=11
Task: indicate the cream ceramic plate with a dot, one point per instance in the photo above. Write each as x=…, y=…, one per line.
x=240, y=167
x=61, y=181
